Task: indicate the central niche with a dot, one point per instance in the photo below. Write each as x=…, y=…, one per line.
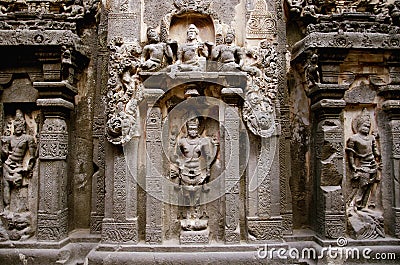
x=193, y=131
x=180, y=23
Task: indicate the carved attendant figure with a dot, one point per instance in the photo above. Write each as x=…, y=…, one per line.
x=154, y=52
x=194, y=156
x=13, y=151
x=228, y=55
x=363, y=155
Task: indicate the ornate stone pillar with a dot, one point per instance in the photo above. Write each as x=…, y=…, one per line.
x=264, y=221
x=53, y=152
x=392, y=108
x=231, y=153
x=120, y=224
x=328, y=157
x=154, y=166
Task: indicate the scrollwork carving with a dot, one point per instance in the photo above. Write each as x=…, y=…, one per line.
x=125, y=91
x=258, y=109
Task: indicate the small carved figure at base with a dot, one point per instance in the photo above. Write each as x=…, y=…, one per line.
x=17, y=225
x=365, y=224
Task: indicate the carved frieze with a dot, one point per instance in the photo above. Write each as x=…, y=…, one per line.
x=262, y=23
x=54, y=139
x=187, y=6
x=125, y=92
x=263, y=230
x=117, y=232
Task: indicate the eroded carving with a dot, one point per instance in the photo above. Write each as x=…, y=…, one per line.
x=192, y=54
x=228, y=55
x=155, y=52
x=312, y=71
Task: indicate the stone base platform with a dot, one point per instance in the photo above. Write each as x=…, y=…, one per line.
x=194, y=237
x=82, y=248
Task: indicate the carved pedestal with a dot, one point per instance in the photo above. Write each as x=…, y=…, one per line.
x=53, y=169
x=267, y=224
x=194, y=237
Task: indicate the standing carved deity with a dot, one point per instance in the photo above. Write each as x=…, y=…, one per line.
x=191, y=55
x=192, y=159
x=14, y=149
x=363, y=159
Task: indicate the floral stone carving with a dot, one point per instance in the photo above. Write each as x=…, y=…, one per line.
x=125, y=92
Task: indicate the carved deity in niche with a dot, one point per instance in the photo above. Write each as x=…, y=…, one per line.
x=228, y=55
x=192, y=159
x=191, y=55
x=155, y=52
x=364, y=164
x=14, y=149
x=363, y=159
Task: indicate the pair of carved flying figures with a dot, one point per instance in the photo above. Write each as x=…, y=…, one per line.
x=192, y=55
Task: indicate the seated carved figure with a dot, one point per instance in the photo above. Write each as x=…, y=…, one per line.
x=228, y=55
x=154, y=52
x=191, y=55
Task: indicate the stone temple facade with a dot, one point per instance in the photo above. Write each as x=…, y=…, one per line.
x=199, y=132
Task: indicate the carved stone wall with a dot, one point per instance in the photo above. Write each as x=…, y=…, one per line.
x=155, y=132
